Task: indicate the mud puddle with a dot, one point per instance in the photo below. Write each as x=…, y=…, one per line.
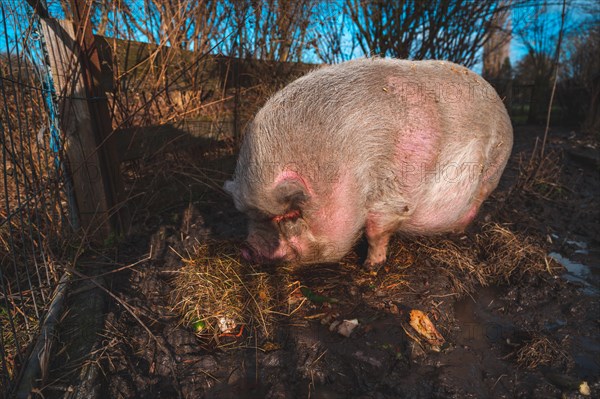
x=555, y=357
x=581, y=261
x=579, y=273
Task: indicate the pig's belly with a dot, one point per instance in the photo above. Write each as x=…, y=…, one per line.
x=439, y=220
x=449, y=204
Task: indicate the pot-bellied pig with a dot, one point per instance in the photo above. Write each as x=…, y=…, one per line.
x=379, y=146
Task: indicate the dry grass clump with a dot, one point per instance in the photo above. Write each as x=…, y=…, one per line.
x=542, y=351
x=218, y=296
x=495, y=255
x=17, y=327
x=509, y=255
x=539, y=176
x=459, y=259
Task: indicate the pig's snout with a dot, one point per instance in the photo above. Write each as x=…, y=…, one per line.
x=249, y=253
x=256, y=253
x=253, y=255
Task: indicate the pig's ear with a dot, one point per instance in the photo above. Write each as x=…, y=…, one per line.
x=232, y=188
x=291, y=193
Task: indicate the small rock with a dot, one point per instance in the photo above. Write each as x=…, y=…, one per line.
x=347, y=326
x=226, y=325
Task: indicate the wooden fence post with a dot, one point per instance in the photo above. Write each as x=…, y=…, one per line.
x=86, y=123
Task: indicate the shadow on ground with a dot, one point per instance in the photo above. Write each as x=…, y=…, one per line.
x=533, y=334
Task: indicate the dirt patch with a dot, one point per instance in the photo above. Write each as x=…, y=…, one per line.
x=517, y=318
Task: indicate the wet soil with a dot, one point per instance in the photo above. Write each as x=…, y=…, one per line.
x=537, y=336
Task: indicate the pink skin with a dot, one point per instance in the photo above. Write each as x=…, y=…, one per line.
x=293, y=176
x=331, y=221
x=378, y=239
x=416, y=152
x=467, y=218
x=338, y=221
x=258, y=251
x=255, y=251
x=378, y=231
x=247, y=254
x=253, y=255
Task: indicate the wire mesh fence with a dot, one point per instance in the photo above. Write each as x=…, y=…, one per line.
x=34, y=206
x=154, y=92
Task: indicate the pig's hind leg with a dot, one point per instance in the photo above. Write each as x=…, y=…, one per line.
x=378, y=230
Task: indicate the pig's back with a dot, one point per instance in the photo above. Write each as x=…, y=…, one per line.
x=365, y=105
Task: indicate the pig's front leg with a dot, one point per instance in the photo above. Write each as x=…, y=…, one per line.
x=378, y=230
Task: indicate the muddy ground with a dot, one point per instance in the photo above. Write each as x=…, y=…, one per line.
x=533, y=334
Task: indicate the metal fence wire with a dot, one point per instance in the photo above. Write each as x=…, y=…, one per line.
x=34, y=206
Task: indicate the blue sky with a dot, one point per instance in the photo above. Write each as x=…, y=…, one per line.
x=522, y=18
x=526, y=17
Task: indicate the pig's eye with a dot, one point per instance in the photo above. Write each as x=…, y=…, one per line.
x=288, y=223
x=290, y=215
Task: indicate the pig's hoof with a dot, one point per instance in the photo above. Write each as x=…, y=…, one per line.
x=373, y=267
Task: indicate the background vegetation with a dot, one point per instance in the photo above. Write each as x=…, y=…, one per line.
x=523, y=46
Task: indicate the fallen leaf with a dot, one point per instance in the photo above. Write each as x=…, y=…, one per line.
x=422, y=325
x=584, y=389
